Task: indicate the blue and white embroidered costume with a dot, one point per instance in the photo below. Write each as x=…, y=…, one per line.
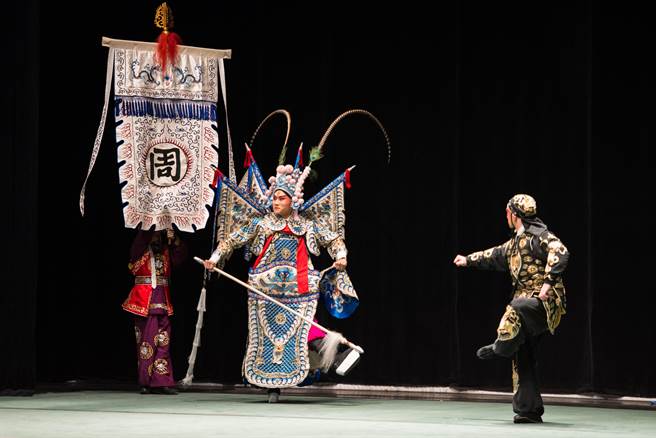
x=277, y=352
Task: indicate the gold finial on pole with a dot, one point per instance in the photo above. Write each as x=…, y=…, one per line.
x=164, y=17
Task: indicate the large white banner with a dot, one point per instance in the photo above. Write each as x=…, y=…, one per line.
x=166, y=133
x=166, y=136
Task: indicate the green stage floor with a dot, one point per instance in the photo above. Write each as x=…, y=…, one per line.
x=116, y=414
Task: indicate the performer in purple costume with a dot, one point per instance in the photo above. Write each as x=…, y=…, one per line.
x=151, y=257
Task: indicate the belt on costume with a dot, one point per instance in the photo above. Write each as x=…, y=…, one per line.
x=142, y=279
x=158, y=306
x=526, y=292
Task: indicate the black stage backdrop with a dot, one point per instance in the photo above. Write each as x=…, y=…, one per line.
x=482, y=100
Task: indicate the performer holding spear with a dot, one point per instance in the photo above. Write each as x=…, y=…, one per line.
x=281, y=230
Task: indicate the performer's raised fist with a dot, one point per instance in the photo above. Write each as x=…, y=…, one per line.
x=460, y=260
x=209, y=264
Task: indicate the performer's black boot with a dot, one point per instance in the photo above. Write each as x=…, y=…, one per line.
x=273, y=395
x=527, y=418
x=486, y=352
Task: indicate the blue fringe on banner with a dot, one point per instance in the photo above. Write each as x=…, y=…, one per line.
x=165, y=109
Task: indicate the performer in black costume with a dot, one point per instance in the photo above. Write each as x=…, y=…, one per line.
x=536, y=260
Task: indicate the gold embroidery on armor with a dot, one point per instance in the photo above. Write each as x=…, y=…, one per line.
x=134, y=267
x=488, y=253
x=522, y=242
x=145, y=351
x=150, y=369
x=161, y=366
x=281, y=318
x=515, y=376
x=161, y=339
x=509, y=325
x=555, y=307
x=285, y=253
x=553, y=259
x=476, y=256
x=278, y=349
x=135, y=309
x=515, y=263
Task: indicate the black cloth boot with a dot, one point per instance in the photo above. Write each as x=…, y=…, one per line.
x=522, y=348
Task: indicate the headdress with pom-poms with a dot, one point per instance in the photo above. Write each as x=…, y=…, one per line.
x=290, y=179
x=167, y=42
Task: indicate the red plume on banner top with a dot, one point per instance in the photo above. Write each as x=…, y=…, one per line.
x=167, y=42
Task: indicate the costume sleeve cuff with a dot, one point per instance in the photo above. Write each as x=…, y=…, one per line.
x=472, y=259
x=550, y=280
